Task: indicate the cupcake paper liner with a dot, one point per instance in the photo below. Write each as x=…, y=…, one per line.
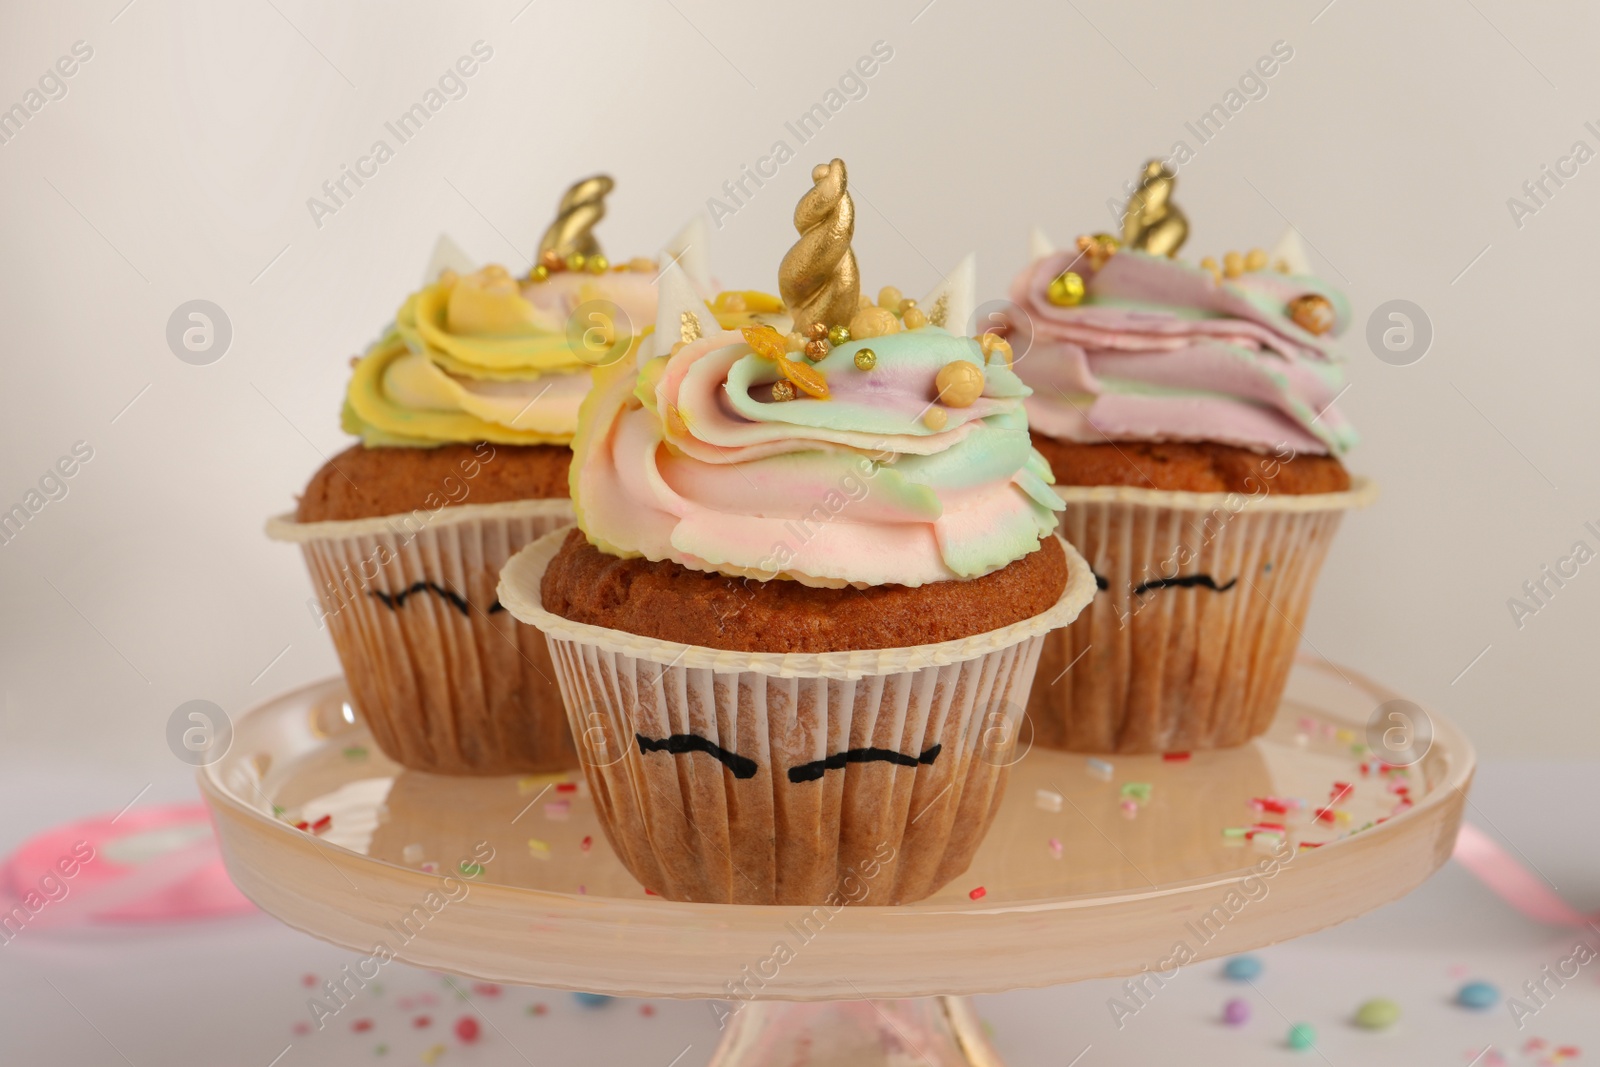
x=447, y=680
x=1190, y=643
x=783, y=778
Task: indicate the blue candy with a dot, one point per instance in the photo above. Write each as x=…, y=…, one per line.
x=1479, y=996
x=1242, y=968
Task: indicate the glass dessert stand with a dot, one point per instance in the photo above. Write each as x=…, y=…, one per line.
x=1092, y=869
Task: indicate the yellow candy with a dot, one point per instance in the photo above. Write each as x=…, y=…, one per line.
x=873, y=322
x=935, y=418
x=959, y=383
x=1066, y=289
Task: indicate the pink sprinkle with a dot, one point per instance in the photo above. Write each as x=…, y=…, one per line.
x=486, y=989
x=361, y=1026
x=558, y=809
x=1129, y=808
x=1055, y=848
x=978, y=893
x=1308, y=725
x=1175, y=757
x=422, y=1022
x=583, y=890
x=647, y=1010
x=467, y=1029
x=301, y=1029
x=566, y=787
x=540, y=1009
x=429, y=867
x=308, y=980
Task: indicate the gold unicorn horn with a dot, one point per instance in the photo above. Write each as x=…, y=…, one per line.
x=581, y=207
x=818, y=278
x=1153, y=222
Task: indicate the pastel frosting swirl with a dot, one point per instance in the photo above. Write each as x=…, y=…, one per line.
x=1159, y=350
x=482, y=357
x=690, y=459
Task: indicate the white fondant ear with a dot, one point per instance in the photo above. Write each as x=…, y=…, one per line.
x=447, y=255
x=675, y=299
x=1291, y=251
x=1039, y=245
x=959, y=293
x=690, y=248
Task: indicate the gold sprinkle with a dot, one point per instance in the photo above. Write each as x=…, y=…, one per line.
x=940, y=310
x=935, y=418
x=689, y=326
x=782, y=391
x=866, y=359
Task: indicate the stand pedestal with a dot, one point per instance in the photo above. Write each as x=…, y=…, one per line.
x=931, y=1031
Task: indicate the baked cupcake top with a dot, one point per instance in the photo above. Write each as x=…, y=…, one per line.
x=871, y=446
x=481, y=355
x=1129, y=343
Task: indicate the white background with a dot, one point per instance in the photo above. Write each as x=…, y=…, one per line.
x=180, y=162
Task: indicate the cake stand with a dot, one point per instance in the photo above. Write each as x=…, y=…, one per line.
x=1144, y=867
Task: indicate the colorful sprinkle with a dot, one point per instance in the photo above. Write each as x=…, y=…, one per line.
x=1479, y=996
x=1055, y=847
x=422, y=1022
x=978, y=893
x=412, y=854
x=431, y=1056
x=1377, y=1014
x=1129, y=809
x=558, y=810
x=647, y=1010
x=324, y=823
x=1139, y=791
x=538, y=849
x=469, y=869
x=1242, y=968
x=355, y=752
x=1175, y=757
x=566, y=787
x=1302, y=1036
x=528, y=784
x=467, y=1030
x=537, y=1009
x=428, y=867
x=586, y=844
x=591, y=1000
x=487, y=989
x=1099, y=768
x=361, y=1026
x=1236, y=1012
x=1047, y=800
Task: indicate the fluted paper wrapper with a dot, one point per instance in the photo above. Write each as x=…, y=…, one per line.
x=447, y=680
x=1190, y=642
x=841, y=829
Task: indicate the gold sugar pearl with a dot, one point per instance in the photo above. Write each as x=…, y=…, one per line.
x=873, y=322
x=816, y=331
x=838, y=335
x=1209, y=264
x=866, y=359
x=816, y=350
x=935, y=418
x=889, y=297
x=598, y=264
x=906, y=305
x=576, y=261
x=1256, y=259
x=1066, y=289
x=783, y=390
x=1312, y=312
x=959, y=383
x=914, y=318
x=1232, y=265
x=539, y=273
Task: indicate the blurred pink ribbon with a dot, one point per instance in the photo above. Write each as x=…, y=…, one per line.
x=1512, y=881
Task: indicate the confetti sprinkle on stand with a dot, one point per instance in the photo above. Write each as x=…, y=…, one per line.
x=526, y=891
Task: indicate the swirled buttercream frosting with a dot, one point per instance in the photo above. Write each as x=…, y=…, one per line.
x=1156, y=349
x=865, y=477
x=484, y=357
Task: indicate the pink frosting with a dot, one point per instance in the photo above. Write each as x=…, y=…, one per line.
x=1159, y=351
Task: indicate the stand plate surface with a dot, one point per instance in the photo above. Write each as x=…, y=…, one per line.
x=511, y=880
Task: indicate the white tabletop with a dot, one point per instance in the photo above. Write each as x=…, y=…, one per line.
x=234, y=992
